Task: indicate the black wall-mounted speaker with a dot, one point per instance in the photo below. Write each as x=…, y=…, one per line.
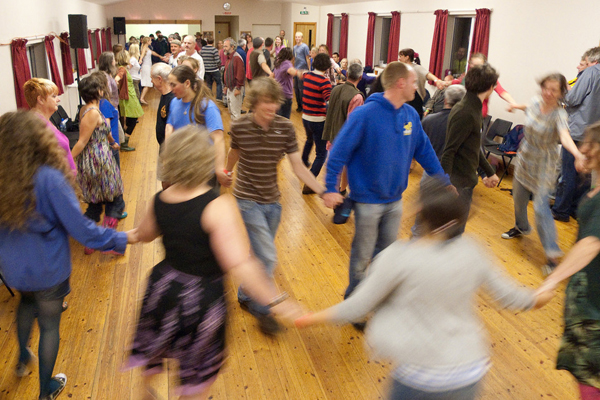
x=78, y=31
x=119, y=25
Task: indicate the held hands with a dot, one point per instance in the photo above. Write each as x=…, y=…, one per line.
x=288, y=311
x=224, y=178
x=328, y=146
x=580, y=163
x=332, y=199
x=115, y=146
x=544, y=293
x=491, y=181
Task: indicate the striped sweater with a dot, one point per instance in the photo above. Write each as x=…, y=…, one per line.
x=317, y=90
x=210, y=56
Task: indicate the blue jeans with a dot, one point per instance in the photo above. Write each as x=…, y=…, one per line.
x=571, y=188
x=403, y=392
x=376, y=227
x=262, y=221
x=210, y=77
x=543, y=217
x=286, y=109
x=314, y=134
x=298, y=89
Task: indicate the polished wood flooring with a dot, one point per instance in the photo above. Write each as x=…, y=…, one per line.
x=327, y=362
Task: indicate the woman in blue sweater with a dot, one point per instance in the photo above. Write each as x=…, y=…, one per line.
x=38, y=212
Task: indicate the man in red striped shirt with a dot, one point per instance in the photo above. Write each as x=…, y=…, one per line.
x=317, y=89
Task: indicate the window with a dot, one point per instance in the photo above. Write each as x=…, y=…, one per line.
x=38, y=64
x=458, y=44
x=337, y=30
x=382, y=38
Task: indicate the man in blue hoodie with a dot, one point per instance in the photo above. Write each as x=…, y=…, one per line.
x=377, y=144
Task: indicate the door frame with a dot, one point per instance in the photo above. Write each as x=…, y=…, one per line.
x=315, y=31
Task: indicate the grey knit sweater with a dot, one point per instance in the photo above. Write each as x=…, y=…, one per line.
x=423, y=297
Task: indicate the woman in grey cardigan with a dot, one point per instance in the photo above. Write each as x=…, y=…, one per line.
x=421, y=297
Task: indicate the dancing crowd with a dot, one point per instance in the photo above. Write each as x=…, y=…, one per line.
x=413, y=298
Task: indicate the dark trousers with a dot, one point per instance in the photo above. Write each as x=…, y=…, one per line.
x=466, y=195
x=210, y=77
x=286, y=109
x=571, y=188
x=298, y=89
x=46, y=305
x=314, y=133
x=130, y=122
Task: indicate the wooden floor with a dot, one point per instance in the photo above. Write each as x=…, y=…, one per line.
x=318, y=363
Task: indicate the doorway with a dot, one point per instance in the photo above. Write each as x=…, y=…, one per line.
x=309, y=30
x=226, y=26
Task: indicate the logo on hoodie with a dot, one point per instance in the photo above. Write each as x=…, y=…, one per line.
x=408, y=129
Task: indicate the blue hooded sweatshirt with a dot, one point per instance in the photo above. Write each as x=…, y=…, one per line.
x=377, y=144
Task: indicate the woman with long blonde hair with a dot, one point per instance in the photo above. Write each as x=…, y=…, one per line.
x=38, y=212
x=135, y=68
x=145, y=60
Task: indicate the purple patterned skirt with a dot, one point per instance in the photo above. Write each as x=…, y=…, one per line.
x=182, y=317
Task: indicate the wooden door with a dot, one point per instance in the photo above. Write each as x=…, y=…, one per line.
x=221, y=31
x=309, y=30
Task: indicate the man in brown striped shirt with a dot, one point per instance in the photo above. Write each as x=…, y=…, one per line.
x=259, y=140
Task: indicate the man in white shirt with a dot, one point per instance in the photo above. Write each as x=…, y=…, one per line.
x=189, y=49
x=171, y=58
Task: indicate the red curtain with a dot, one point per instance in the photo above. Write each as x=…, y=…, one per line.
x=370, y=40
x=98, y=46
x=436, y=61
x=481, y=33
x=103, y=34
x=108, y=39
x=65, y=55
x=21, y=71
x=49, y=42
x=91, y=48
x=344, y=37
x=329, y=41
x=394, y=41
x=83, y=69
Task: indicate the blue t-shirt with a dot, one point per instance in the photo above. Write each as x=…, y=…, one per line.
x=179, y=115
x=112, y=114
x=301, y=51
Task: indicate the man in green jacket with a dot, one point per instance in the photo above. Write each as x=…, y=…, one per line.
x=462, y=151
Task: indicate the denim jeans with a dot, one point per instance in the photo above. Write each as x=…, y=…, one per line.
x=571, y=188
x=262, y=221
x=286, y=109
x=403, y=392
x=215, y=76
x=543, y=217
x=298, y=89
x=314, y=134
x=46, y=305
x=376, y=227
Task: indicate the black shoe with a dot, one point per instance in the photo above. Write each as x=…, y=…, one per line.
x=62, y=381
x=560, y=218
x=307, y=190
x=359, y=326
x=243, y=112
x=548, y=268
x=512, y=233
x=342, y=212
x=266, y=323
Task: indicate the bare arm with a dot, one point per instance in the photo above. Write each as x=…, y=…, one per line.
x=581, y=254
x=266, y=68
x=508, y=98
x=168, y=131
x=86, y=127
x=219, y=143
x=304, y=174
x=147, y=230
x=141, y=59
x=567, y=141
x=232, y=158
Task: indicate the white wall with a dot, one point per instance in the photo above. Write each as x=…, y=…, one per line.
x=146, y=29
x=527, y=38
x=249, y=12
x=38, y=17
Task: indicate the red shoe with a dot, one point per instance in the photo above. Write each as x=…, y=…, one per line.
x=88, y=251
x=110, y=222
